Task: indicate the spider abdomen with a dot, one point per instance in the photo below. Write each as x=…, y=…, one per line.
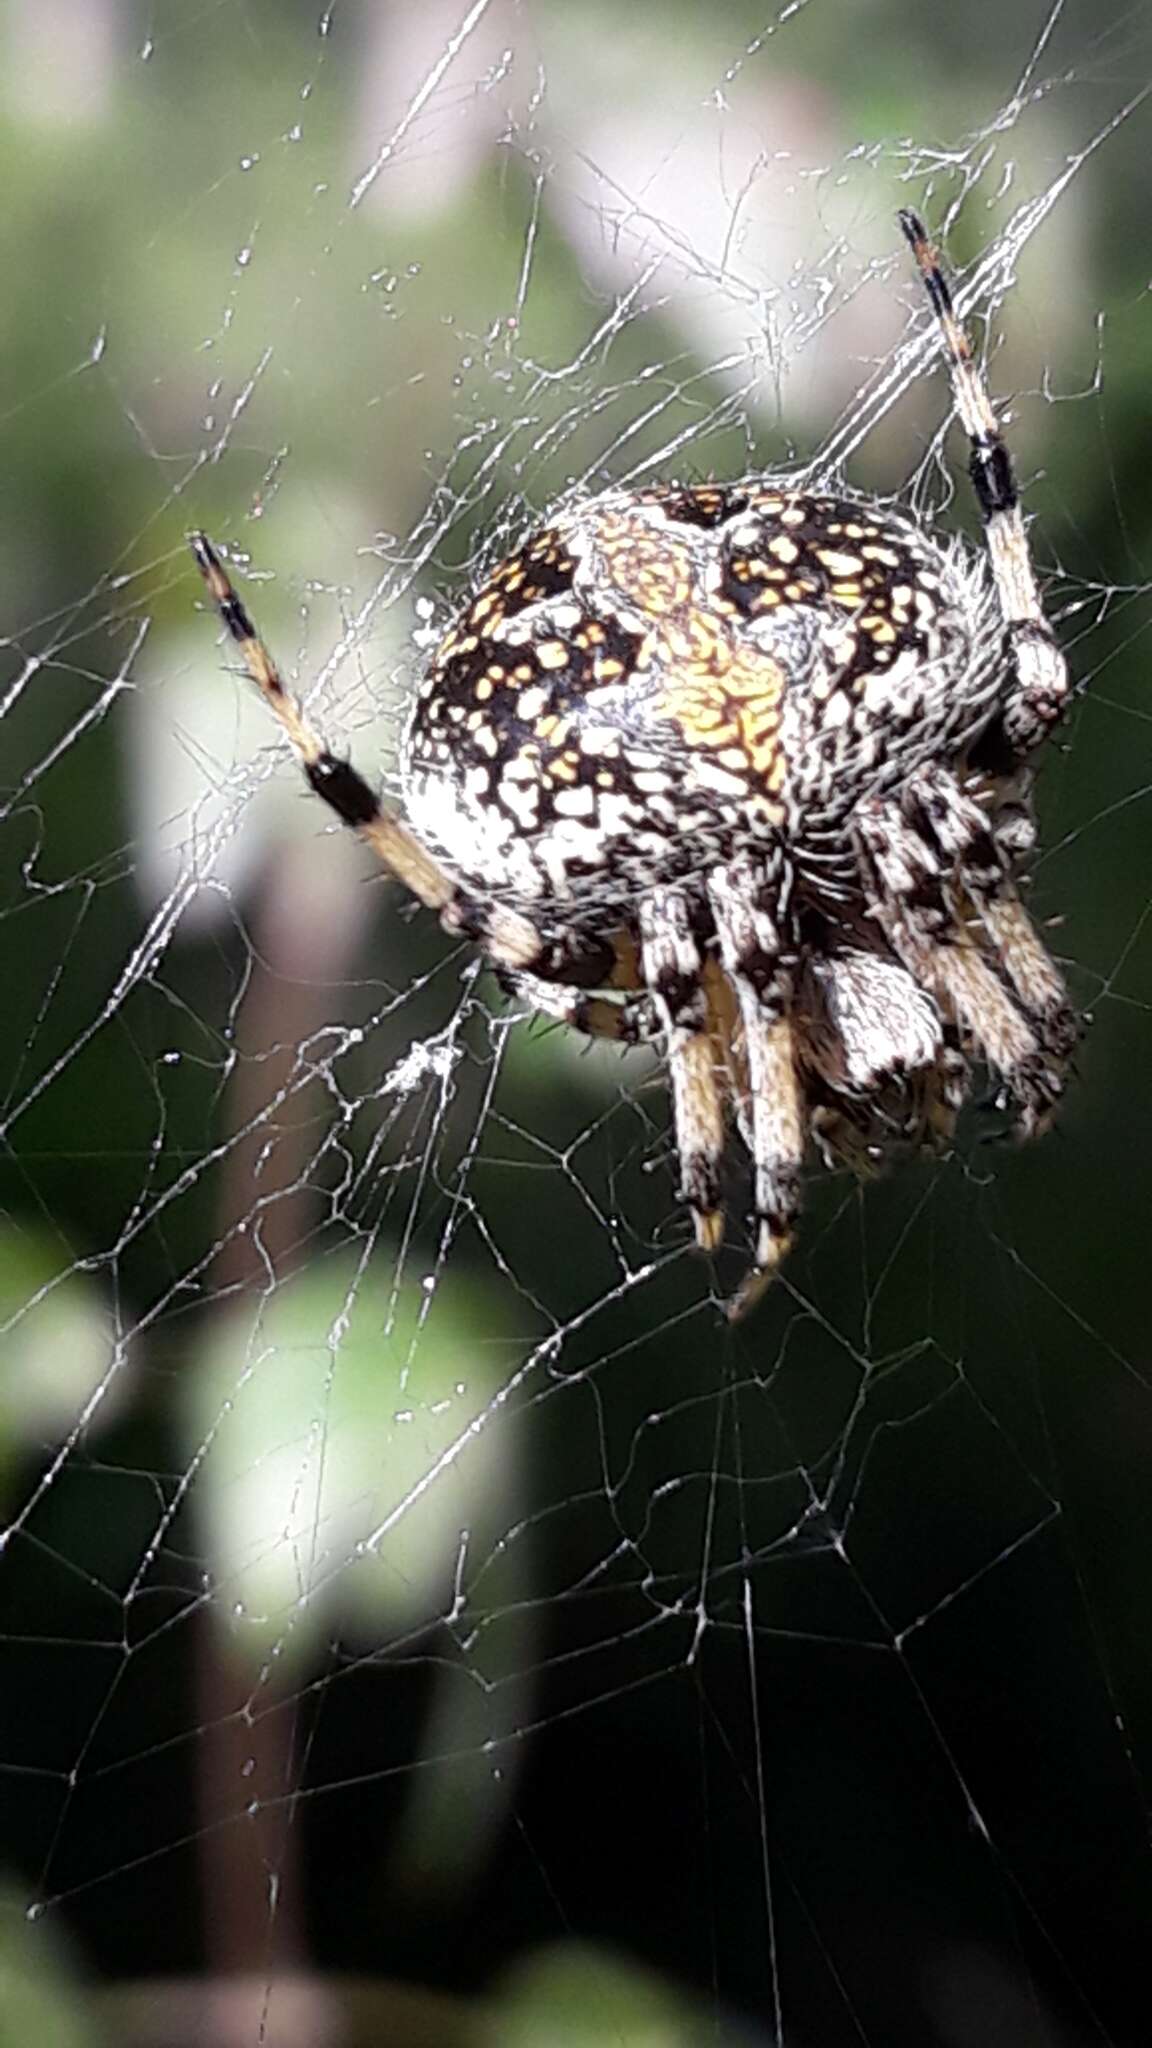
x=661, y=679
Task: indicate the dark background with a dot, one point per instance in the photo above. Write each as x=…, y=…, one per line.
x=780, y=1684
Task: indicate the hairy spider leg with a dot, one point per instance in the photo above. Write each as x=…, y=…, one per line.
x=742, y=896
x=1041, y=670
x=510, y=938
x=982, y=852
x=672, y=964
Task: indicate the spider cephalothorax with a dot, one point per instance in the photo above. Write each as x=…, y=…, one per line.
x=744, y=768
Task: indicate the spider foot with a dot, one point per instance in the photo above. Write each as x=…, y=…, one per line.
x=708, y=1226
x=1031, y=1093
x=774, y=1240
x=771, y=1253
x=1058, y=1030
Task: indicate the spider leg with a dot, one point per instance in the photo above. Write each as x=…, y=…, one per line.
x=1040, y=688
x=631, y=1020
x=741, y=896
x=672, y=965
x=1032, y=972
x=923, y=928
x=726, y=1026
x=511, y=939
x=981, y=851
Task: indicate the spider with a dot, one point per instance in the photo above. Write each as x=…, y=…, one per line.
x=745, y=769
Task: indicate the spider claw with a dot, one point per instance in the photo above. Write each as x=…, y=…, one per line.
x=755, y=1284
x=709, y=1227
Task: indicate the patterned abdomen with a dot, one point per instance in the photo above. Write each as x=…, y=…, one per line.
x=660, y=678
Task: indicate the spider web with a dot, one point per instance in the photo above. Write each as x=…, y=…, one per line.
x=420, y=1617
